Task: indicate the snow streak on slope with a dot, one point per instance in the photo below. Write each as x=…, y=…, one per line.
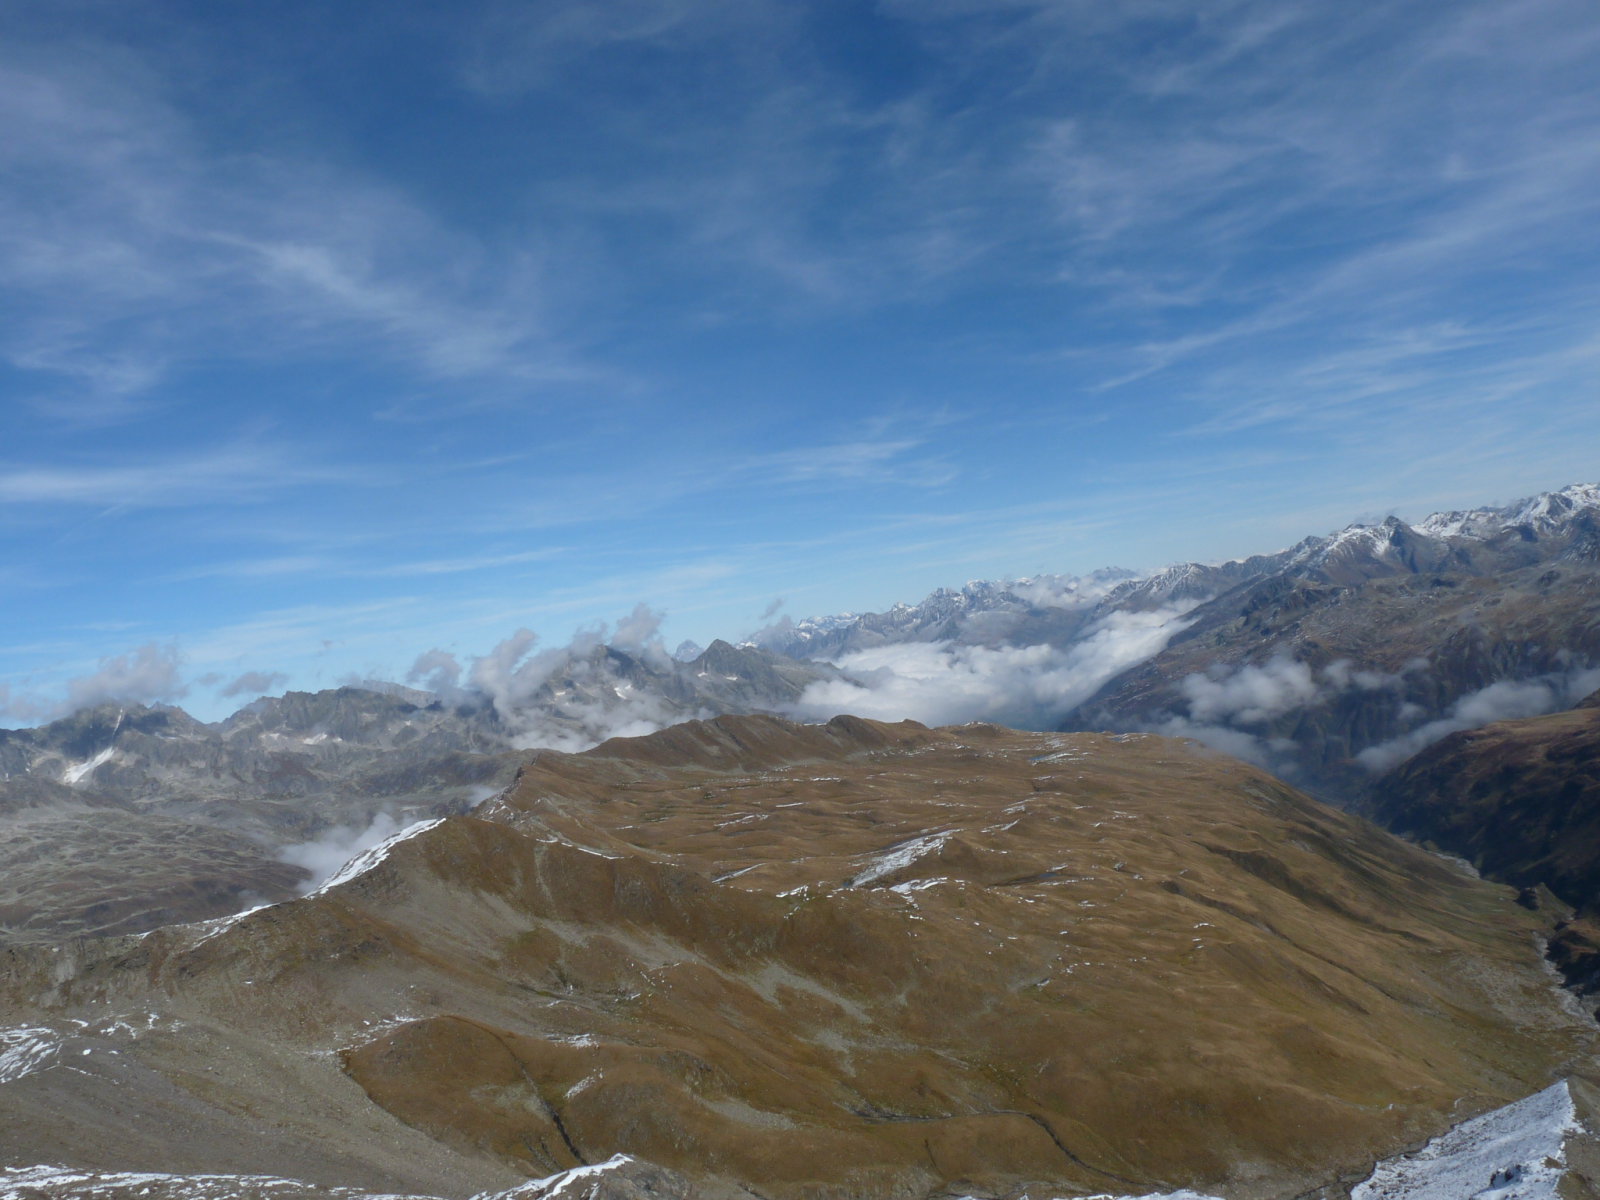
x=1514, y=1153
x=367, y=859
x=900, y=856
x=63, y=1183
x=575, y=1184
x=77, y=773
x=26, y=1050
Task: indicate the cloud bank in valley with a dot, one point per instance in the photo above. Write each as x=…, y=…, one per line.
x=1231, y=709
x=1503, y=701
x=945, y=683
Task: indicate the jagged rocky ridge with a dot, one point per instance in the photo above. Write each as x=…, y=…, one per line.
x=852, y=960
x=118, y=819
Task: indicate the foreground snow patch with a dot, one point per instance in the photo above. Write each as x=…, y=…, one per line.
x=64, y=1183
x=1514, y=1153
x=899, y=856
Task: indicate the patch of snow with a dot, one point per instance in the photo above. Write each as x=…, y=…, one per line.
x=218, y=925
x=899, y=856
x=1513, y=1153
x=916, y=885
x=32, y=1183
x=368, y=859
x=25, y=1051
x=563, y=1183
x=76, y=774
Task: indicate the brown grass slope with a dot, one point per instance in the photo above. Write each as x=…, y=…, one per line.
x=852, y=960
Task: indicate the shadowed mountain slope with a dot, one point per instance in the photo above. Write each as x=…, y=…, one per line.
x=1519, y=799
x=851, y=960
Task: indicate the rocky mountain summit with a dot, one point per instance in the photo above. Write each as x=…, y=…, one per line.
x=853, y=960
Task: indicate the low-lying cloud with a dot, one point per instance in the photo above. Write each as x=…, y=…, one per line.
x=1030, y=687
x=324, y=856
x=1256, y=693
x=1502, y=701
x=1221, y=699
x=1232, y=709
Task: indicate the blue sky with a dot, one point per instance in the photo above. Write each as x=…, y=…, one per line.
x=330, y=334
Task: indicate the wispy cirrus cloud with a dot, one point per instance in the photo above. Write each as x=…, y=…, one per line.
x=225, y=475
x=138, y=248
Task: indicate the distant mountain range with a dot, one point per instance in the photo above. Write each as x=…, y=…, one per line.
x=1329, y=662
x=395, y=940
x=122, y=818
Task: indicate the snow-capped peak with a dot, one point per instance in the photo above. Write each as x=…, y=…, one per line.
x=1543, y=513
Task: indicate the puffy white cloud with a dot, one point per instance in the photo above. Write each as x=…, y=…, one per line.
x=147, y=674
x=1254, y=694
x=1251, y=694
x=566, y=697
x=436, y=670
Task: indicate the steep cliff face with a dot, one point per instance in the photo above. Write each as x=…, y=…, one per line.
x=851, y=960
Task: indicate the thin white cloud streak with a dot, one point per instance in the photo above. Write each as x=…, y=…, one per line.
x=225, y=475
x=1277, y=124
x=342, y=568
x=134, y=247
x=879, y=458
